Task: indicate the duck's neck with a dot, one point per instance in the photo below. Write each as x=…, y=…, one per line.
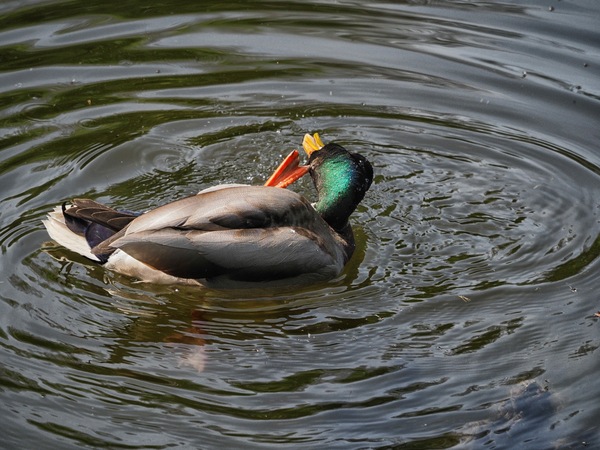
x=336, y=200
x=341, y=179
x=347, y=240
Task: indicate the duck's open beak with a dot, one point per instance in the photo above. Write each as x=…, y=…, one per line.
x=312, y=143
x=288, y=172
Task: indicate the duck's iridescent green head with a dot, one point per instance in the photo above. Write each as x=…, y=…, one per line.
x=340, y=177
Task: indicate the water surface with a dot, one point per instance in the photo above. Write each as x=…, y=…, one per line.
x=465, y=318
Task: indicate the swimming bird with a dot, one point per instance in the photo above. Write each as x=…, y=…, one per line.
x=230, y=236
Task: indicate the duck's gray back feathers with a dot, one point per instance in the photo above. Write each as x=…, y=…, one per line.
x=238, y=234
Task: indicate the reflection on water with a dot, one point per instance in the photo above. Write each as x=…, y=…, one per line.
x=466, y=316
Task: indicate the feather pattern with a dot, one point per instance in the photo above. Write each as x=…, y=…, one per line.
x=241, y=233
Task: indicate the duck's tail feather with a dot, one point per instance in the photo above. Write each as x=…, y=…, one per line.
x=59, y=231
x=84, y=225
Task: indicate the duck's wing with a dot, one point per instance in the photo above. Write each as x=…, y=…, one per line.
x=84, y=211
x=248, y=255
x=248, y=233
x=228, y=207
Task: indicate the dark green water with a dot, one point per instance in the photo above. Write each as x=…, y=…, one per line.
x=465, y=319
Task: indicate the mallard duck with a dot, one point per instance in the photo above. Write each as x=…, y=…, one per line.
x=230, y=235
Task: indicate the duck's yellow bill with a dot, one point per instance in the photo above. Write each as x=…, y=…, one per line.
x=288, y=172
x=312, y=143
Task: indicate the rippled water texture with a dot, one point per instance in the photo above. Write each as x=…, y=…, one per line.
x=466, y=317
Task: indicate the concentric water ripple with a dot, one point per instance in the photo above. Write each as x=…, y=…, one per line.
x=480, y=215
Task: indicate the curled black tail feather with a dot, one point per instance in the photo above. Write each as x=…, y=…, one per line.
x=95, y=222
